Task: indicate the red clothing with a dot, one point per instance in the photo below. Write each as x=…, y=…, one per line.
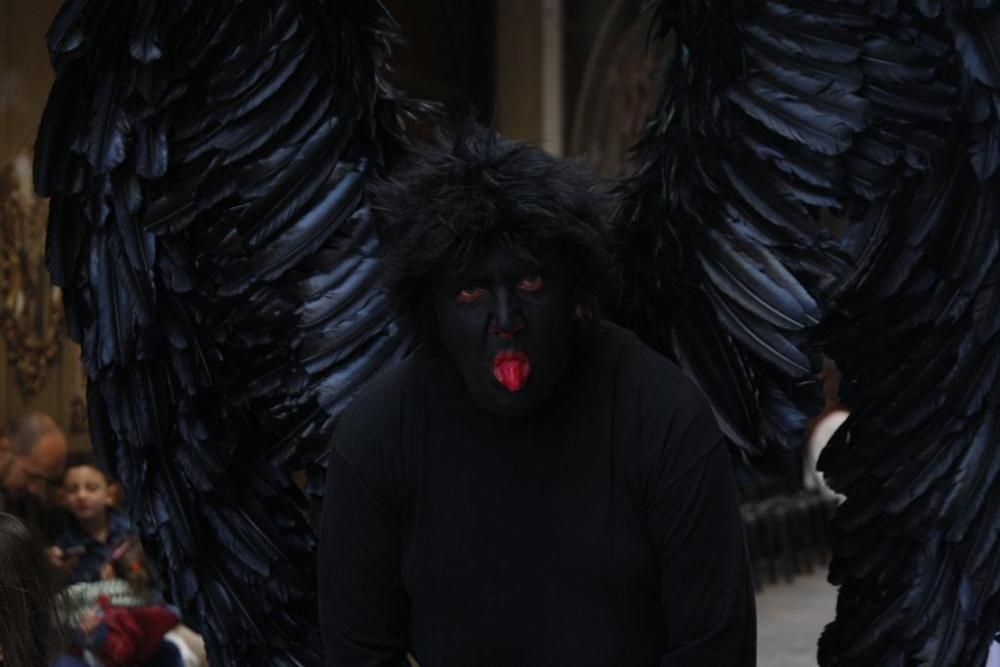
x=133, y=633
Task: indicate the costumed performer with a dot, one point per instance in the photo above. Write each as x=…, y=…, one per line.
x=533, y=486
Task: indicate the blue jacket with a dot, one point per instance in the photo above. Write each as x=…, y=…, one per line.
x=95, y=553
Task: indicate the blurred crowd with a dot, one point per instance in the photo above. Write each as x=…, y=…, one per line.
x=75, y=586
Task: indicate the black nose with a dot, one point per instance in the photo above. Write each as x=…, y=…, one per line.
x=507, y=332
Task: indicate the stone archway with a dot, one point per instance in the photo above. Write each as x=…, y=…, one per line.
x=618, y=90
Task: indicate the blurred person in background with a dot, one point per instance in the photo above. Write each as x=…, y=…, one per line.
x=94, y=527
x=32, y=459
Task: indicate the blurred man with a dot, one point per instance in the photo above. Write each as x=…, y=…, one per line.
x=32, y=458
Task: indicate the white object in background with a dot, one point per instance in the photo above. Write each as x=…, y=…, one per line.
x=187, y=656
x=821, y=434
x=993, y=659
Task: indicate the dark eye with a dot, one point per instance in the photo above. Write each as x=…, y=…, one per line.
x=470, y=294
x=531, y=283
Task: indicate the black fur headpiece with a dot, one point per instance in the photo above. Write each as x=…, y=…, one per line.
x=466, y=195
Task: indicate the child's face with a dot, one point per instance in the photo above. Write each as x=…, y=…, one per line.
x=87, y=492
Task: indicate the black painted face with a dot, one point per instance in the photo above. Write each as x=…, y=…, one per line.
x=507, y=327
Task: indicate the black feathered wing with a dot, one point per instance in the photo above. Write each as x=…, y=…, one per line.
x=774, y=114
x=724, y=257
x=916, y=330
x=206, y=164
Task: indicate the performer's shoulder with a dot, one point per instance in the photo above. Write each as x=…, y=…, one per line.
x=659, y=385
x=675, y=424
x=636, y=360
x=384, y=395
x=367, y=434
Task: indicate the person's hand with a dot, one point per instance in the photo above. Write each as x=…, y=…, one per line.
x=61, y=560
x=90, y=621
x=56, y=556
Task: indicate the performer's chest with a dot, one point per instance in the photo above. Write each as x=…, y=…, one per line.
x=519, y=515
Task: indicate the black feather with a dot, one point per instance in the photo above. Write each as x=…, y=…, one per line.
x=977, y=38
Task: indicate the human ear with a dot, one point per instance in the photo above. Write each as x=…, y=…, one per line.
x=4, y=449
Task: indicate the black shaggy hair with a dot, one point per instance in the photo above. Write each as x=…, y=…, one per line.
x=468, y=194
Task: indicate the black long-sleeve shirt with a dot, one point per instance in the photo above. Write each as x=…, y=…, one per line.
x=602, y=530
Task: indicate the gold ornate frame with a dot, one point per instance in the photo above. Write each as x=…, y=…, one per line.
x=31, y=311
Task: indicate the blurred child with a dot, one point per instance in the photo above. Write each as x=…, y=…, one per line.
x=124, y=582
x=94, y=527
x=120, y=619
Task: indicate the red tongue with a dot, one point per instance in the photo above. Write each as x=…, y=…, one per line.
x=511, y=373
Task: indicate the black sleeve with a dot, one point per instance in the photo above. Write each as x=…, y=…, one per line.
x=363, y=607
x=697, y=531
